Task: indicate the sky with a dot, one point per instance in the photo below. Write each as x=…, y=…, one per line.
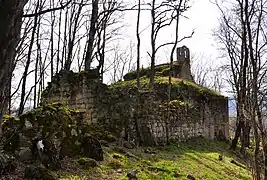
x=202, y=18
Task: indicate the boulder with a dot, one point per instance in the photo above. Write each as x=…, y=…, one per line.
x=190, y=177
x=132, y=174
x=149, y=151
x=117, y=156
x=128, y=145
x=130, y=155
x=38, y=172
x=87, y=163
x=7, y=163
x=25, y=154
x=91, y=148
x=49, y=155
x=61, y=130
x=177, y=175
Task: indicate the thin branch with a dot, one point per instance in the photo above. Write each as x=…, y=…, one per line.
x=47, y=10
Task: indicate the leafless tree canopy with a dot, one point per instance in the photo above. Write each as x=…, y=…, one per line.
x=242, y=35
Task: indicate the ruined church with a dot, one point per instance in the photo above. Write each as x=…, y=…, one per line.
x=145, y=117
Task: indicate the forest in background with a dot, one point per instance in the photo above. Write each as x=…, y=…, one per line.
x=39, y=38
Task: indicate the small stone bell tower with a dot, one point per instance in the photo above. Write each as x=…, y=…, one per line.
x=183, y=54
x=182, y=65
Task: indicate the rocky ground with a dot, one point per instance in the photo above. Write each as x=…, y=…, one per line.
x=194, y=159
x=73, y=150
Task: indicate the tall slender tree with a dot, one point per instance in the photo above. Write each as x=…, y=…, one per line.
x=11, y=12
x=243, y=35
x=138, y=45
x=92, y=33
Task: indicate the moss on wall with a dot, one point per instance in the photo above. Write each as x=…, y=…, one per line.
x=61, y=127
x=146, y=116
x=178, y=89
x=71, y=79
x=160, y=70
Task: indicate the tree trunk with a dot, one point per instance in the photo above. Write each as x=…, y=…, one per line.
x=92, y=32
x=11, y=12
x=153, y=45
x=138, y=45
x=246, y=135
x=72, y=36
x=265, y=157
x=239, y=127
x=256, y=151
x=25, y=74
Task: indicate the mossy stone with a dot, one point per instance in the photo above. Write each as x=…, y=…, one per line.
x=87, y=163
x=110, y=138
x=38, y=172
x=12, y=142
x=117, y=156
x=115, y=164
x=7, y=163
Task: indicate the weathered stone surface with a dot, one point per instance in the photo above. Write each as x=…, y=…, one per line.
x=38, y=172
x=59, y=129
x=72, y=89
x=87, y=163
x=128, y=145
x=25, y=154
x=132, y=175
x=144, y=118
x=91, y=148
x=119, y=149
x=10, y=139
x=190, y=177
x=7, y=163
x=130, y=155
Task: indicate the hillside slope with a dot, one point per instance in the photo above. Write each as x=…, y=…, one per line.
x=197, y=158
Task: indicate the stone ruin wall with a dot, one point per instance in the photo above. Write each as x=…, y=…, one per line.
x=139, y=117
x=74, y=92
x=145, y=119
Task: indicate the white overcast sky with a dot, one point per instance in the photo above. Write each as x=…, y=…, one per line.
x=202, y=18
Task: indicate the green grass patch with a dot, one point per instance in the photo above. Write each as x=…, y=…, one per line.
x=197, y=157
x=160, y=70
x=162, y=83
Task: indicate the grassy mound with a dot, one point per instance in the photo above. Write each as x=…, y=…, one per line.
x=180, y=87
x=161, y=70
x=198, y=158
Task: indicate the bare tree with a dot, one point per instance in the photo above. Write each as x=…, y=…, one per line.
x=106, y=31
x=243, y=35
x=92, y=32
x=11, y=20
x=121, y=63
x=206, y=74
x=200, y=70
x=75, y=18
x=138, y=45
x=27, y=65
x=163, y=15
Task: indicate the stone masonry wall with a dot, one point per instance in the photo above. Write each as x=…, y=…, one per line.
x=77, y=90
x=144, y=118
